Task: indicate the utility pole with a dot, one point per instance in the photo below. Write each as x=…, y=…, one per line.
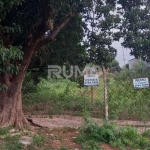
x=123, y=56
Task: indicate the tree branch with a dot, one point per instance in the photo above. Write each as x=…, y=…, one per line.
x=52, y=36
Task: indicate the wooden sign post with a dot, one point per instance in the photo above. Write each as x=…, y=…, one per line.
x=91, y=80
x=92, y=95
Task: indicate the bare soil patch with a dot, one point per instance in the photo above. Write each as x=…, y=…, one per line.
x=66, y=138
x=61, y=121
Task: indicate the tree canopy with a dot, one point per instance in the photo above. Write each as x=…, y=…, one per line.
x=66, y=49
x=136, y=28
x=99, y=36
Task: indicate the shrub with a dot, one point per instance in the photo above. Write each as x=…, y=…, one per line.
x=123, y=137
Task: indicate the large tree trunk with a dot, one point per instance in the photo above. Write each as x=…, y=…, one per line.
x=11, y=99
x=11, y=109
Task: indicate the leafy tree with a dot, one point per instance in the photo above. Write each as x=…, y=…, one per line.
x=127, y=66
x=100, y=35
x=25, y=27
x=114, y=63
x=136, y=27
x=114, y=66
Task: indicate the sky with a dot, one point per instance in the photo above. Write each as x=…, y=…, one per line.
x=123, y=54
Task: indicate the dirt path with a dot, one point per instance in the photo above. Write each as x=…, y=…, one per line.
x=75, y=122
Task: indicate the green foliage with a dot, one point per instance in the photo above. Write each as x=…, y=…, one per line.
x=146, y=134
x=4, y=131
x=3, y=87
x=92, y=135
x=130, y=103
x=63, y=148
x=12, y=143
x=28, y=16
x=14, y=146
x=128, y=5
x=21, y=19
x=6, y=6
x=60, y=95
x=11, y=30
x=8, y=58
x=91, y=145
x=39, y=140
x=136, y=35
x=28, y=85
x=114, y=63
x=100, y=36
x=65, y=94
x=114, y=66
x=62, y=51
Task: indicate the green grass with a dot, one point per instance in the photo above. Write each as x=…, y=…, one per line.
x=39, y=140
x=4, y=131
x=131, y=103
x=63, y=148
x=9, y=142
x=92, y=135
x=62, y=96
x=125, y=103
x=12, y=143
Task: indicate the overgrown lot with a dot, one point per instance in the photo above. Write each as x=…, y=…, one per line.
x=61, y=96
x=64, y=97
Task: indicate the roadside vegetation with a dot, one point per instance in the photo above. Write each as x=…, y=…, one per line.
x=92, y=136
x=62, y=96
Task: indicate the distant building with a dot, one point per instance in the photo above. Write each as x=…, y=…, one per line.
x=92, y=70
x=135, y=61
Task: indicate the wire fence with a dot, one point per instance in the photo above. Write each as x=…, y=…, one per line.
x=66, y=97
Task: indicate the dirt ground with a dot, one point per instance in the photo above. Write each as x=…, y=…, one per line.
x=62, y=121
x=62, y=130
x=62, y=138
x=66, y=138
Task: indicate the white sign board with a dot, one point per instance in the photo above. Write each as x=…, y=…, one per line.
x=91, y=80
x=141, y=83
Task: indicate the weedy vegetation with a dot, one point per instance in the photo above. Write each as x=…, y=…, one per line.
x=92, y=136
